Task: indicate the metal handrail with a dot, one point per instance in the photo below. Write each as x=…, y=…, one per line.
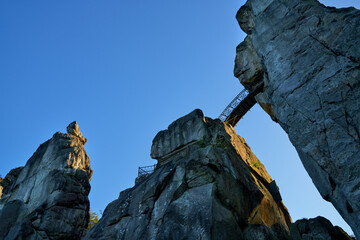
x=146, y=170
x=241, y=96
x=233, y=104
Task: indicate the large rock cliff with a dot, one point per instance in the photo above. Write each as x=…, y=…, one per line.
x=309, y=58
x=207, y=185
x=48, y=197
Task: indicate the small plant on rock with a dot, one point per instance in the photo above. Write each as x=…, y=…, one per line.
x=93, y=220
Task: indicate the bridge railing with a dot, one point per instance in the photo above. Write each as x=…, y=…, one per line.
x=233, y=104
x=241, y=96
x=146, y=170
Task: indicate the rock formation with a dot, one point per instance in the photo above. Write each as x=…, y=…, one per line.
x=48, y=198
x=317, y=228
x=207, y=185
x=5, y=182
x=309, y=58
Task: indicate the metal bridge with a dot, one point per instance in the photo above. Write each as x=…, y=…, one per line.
x=242, y=103
x=232, y=114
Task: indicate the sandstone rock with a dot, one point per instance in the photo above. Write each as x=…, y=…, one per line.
x=1, y=187
x=309, y=57
x=6, y=182
x=141, y=178
x=317, y=228
x=211, y=186
x=74, y=129
x=48, y=198
x=188, y=129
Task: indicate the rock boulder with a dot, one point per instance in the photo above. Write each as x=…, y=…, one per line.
x=317, y=228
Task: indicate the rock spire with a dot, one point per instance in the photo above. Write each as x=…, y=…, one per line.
x=309, y=58
x=48, y=197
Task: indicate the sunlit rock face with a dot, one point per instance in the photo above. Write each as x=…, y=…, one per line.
x=208, y=185
x=192, y=128
x=309, y=57
x=48, y=198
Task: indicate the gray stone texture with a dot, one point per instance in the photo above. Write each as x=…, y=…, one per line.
x=309, y=57
x=48, y=198
x=317, y=229
x=5, y=183
x=188, y=129
x=211, y=187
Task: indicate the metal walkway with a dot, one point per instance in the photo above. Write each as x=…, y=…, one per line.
x=241, y=104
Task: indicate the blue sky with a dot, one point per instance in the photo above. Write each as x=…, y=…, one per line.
x=125, y=70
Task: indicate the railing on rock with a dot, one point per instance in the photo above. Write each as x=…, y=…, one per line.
x=146, y=170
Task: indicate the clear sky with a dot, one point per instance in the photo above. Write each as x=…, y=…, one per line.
x=125, y=70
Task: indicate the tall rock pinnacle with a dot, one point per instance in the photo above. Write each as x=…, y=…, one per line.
x=309, y=58
x=48, y=197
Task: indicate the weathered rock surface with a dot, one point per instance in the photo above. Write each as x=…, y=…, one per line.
x=317, y=228
x=208, y=185
x=48, y=198
x=309, y=57
x=192, y=128
x=9, y=178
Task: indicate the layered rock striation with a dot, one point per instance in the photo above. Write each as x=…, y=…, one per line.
x=48, y=197
x=308, y=56
x=207, y=185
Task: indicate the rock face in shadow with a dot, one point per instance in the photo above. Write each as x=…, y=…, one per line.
x=309, y=58
x=317, y=228
x=48, y=197
x=207, y=185
x=9, y=178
